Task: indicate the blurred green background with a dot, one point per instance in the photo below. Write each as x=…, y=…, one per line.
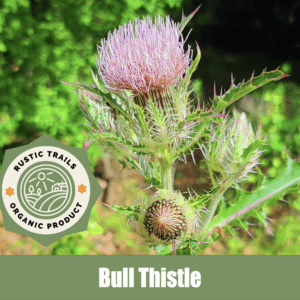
x=43, y=42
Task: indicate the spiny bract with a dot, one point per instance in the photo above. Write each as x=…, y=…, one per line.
x=165, y=220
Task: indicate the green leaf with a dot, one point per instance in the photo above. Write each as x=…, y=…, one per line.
x=271, y=188
x=141, y=118
x=130, y=211
x=201, y=200
x=97, y=93
x=237, y=92
x=186, y=80
x=248, y=152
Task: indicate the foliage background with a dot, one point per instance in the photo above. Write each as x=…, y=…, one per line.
x=45, y=41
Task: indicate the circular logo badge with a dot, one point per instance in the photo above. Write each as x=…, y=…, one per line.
x=46, y=190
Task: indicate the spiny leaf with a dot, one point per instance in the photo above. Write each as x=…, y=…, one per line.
x=130, y=211
x=150, y=170
x=141, y=118
x=186, y=80
x=201, y=200
x=237, y=92
x=272, y=187
x=98, y=93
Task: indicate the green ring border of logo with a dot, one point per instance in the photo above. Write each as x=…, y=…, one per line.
x=69, y=202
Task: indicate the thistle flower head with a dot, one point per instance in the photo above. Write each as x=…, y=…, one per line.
x=166, y=216
x=225, y=147
x=143, y=56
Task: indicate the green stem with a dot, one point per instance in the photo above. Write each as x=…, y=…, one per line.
x=211, y=176
x=218, y=195
x=166, y=175
x=213, y=206
x=173, y=248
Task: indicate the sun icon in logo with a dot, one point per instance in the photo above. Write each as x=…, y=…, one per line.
x=41, y=180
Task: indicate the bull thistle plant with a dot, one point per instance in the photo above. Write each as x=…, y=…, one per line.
x=139, y=110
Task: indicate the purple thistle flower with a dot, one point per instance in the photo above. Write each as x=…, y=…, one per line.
x=143, y=56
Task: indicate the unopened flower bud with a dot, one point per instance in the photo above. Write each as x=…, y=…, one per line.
x=167, y=216
x=227, y=142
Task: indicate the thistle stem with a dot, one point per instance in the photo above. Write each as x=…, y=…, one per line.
x=211, y=176
x=167, y=175
x=173, y=248
x=212, y=208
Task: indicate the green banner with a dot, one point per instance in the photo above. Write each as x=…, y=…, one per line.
x=213, y=277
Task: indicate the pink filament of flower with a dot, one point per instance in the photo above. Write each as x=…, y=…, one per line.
x=142, y=56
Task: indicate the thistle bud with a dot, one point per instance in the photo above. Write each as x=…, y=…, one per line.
x=224, y=149
x=167, y=216
x=165, y=220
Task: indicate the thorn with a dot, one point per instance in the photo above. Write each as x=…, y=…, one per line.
x=215, y=92
x=269, y=219
x=285, y=75
x=269, y=230
x=185, y=158
x=283, y=200
x=127, y=223
x=277, y=68
x=237, y=238
x=192, y=154
x=221, y=94
x=263, y=71
x=251, y=78
x=105, y=204
x=100, y=130
x=250, y=224
x=87, y=143
x=215, y=139
x=221, y=115
x=201, y=242
x=194, y=12
x=193, y=250
x=67, y=83
x=250, y=233
x=201, y=149
x=232, y=80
